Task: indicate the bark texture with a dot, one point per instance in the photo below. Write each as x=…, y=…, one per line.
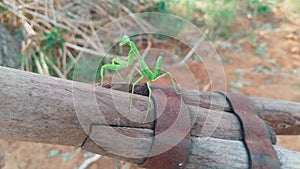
x=43, y=109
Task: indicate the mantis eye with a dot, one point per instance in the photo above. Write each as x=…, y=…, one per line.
x=125, y=40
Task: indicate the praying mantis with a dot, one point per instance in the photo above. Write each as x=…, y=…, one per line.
x=118, y=64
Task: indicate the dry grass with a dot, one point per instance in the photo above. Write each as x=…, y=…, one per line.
x=81, y=20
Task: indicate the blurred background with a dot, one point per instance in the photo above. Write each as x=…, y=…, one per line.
x=258, y=42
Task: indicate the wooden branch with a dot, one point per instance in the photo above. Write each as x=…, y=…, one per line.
x=57, y=111
x=42, y=109
x=283, y=116
x=218, y=153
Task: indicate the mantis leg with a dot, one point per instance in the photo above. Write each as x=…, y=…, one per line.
x=111, y=67
x=172, y=79
x=158, y=66
x=149, y=99
x=118, y=61
x=117, y=64
x=131, y=76
x=133, y=86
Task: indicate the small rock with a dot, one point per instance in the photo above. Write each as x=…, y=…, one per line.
x=295, y=50
x=292, y=36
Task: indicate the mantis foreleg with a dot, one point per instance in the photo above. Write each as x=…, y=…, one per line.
x=111, y=67
x=172, y=79
x=118, y=63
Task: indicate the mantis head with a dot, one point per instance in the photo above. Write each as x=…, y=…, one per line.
x=125, y=40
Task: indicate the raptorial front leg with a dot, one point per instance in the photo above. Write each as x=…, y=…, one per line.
x=111, y=67
x=133, y=86
x=118, y=61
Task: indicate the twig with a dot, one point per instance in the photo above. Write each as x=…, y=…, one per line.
x=90, y=51
x=133, y=17
x=25, y=45
x=52, y=10
x=28, y=28
x=42, y=16
x=15, y=12
x=38, y=65
x=141, y=22
x=207, y=87
x=82, y=49
x=72, y=28
x=89, y=161
x=44, y=65
x=25, y=5
x=192, y=51
x=54, y=67
x=135, y=3
x=30, y=6
x=94, y=33
x=149, y=44
x=102, y=10
x=45, y=24
x=64, y=61
x=144, y=8
x=70, y=55
x=67, y=27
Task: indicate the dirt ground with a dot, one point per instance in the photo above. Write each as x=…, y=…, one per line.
x=264, y=65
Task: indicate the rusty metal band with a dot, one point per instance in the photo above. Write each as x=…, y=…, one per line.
x=260, y=151
x=172, y=129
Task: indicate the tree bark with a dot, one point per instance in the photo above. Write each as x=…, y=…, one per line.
x=43, y=109
x=218, y=153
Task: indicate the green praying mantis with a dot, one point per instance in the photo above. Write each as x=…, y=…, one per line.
x=118, y=64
